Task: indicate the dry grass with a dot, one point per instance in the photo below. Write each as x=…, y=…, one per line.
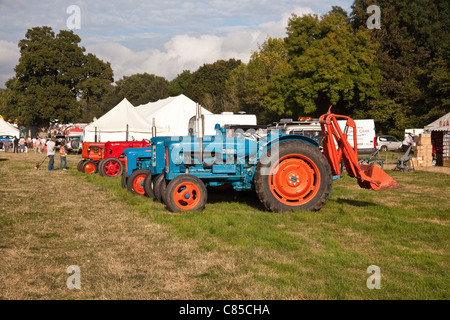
x=52, y=220
x=130, y=247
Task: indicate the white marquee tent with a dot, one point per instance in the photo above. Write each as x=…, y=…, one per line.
x=112, y=126
x=441, y=124
x=171, y=114
x=7, y=129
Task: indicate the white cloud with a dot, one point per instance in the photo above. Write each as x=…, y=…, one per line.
x=187, y=52
x=9, y=56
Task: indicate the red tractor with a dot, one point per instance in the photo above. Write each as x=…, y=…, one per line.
x=113, y=162
x=92, y=153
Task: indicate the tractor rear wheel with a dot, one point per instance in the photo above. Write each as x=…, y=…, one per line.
x=89, y=166
x=80, y=164
x=112, y=167
x=124, y=180
x=100, y=168
x=148, y=186
x=159, y=186
x=297, y=178
x=135, y=182
x=187, y=193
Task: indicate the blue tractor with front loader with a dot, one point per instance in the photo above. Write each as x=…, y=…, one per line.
x=287, y=172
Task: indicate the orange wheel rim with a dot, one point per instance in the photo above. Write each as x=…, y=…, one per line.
x=89, y=168
x=186, y=195
x=138, y=183
x=112, y=168
x=294, y=180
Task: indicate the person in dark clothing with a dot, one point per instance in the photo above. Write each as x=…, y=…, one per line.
x=16, y=145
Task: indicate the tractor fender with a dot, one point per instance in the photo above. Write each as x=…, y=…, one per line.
x=280, y=138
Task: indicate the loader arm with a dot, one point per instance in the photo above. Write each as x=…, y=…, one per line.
x=368, y=176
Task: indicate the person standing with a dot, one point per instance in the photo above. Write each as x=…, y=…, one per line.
x=407, y=142
x=63, y=156
x=7, y=143
x=16, y=145
x=51, y=146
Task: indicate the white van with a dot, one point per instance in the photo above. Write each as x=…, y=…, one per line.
x=224, y=118
x=365, y=135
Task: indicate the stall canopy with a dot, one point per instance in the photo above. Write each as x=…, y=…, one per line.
x=113, y=125
x=171, y=114
x=441, y=124
x=7, y=129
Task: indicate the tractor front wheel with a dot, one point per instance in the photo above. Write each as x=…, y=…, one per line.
x=187, y=193
x=112, y=167
x=80, y=165
x=148, y=186
x=124, y=180
x=159, y=186
x=89, y=166
x=297, y=177
x=135, y=182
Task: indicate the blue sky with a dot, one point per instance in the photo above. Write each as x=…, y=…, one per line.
x=162, y=37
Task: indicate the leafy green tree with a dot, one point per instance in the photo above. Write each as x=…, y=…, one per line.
x=54, y=76
x=413, y=54
x=333, y=65
x=142, y=88
x=261, y=86
x=207, y=84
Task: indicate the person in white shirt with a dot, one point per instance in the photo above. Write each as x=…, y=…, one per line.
x=51, y=146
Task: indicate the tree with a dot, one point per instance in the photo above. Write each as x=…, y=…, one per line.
x=262, y=85
x=207, y=84
x=412, y=53
x=54, y=78
x=332, y=65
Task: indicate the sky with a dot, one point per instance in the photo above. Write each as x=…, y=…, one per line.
x=161, y=37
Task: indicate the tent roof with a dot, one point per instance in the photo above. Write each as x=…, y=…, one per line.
x=153, y=109
x=7, y=129
x=76, y=129
x=441, y=124
x=117, y=119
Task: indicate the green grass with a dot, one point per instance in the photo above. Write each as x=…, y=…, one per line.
x=324, y=254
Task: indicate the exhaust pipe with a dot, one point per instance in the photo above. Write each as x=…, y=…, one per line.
x=200, y=131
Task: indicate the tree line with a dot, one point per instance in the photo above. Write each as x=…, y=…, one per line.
x=397, y=75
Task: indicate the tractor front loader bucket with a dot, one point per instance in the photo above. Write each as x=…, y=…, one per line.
x=375, y=178
x=337, y=147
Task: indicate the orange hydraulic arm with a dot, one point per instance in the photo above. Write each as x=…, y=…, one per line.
x=369, y=177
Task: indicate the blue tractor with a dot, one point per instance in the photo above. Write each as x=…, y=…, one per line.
x=287, y=172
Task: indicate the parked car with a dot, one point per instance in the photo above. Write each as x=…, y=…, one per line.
x=60, y=140
x=3, y=137
x=386, y=142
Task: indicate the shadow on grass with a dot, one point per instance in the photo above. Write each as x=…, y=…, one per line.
x=227, y=195
x=3, y=159
x=355, y=203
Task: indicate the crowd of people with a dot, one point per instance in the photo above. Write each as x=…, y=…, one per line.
x=38, y=145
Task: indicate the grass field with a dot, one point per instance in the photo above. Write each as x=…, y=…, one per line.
x=131, y=247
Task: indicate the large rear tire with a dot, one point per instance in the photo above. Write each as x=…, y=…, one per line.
x=135, y=182
x=186, y=193
x=297, y=178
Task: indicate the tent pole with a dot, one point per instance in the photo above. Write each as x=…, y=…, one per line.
x=153, y=128
x=95, y=139
x=127, y=134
